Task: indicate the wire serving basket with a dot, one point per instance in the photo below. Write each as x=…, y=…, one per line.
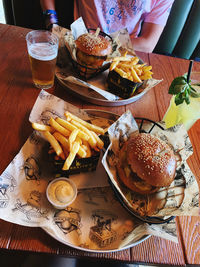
x=147, y=219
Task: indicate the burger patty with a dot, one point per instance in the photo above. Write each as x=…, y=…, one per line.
x=89, y=60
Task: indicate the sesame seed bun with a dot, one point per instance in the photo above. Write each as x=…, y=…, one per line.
x=93, y=45
x=130, y=179
x=92, y=50
x=150, y=162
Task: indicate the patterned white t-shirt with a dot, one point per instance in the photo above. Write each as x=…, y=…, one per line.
x=112, y=15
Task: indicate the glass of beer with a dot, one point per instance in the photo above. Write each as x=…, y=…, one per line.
x=42, y=50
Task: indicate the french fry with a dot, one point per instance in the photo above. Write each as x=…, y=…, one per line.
x=91, y=139
x=139, y=72
x=141, y=65
x=88, y=125
x=122, y=73
x=62, y=155
x=54, y=143
x=147, y=68
x=66, y=124
x=41, y=127
x=51, y=150
x=78, y=139
x=129, y=68
x=86, y=147
x=130, y=78
x=122, y=58
x=146, y=76
x=65, y=152
x=57, y=157
x=58, y=127
x=62, y=139
x=124, y=65
x=100, y=143
x=71, y=156
x=72, y=137
x=82, y=152
x=134, y=60
x=65, y=145
x=114, y=65
x=135, y=76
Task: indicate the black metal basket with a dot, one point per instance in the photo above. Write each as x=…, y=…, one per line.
x=120, y=86
x=88, y=72
x=78, y=165
x=147, y=219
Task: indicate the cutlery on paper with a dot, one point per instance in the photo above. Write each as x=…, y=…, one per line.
x=105, y=94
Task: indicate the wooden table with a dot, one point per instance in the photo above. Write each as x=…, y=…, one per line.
x=17, y=97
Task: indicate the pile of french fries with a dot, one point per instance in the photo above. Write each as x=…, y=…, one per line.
x=129, y=68
x=71, y=137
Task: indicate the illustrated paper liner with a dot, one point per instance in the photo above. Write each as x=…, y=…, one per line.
x=181, y=197
x=96, y=221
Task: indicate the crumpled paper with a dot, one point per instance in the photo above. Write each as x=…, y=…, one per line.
x=96, y=221
x=181, y=197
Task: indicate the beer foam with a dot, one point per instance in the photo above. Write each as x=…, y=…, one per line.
x=43, y=51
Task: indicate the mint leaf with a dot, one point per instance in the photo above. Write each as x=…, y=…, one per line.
x=182, y=90
x=179, y=99
x=187, y=98
x=177, y=85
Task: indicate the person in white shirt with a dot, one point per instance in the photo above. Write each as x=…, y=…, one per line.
x=144, y=19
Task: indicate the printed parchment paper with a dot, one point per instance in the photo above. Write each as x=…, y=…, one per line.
x=181, y=197
x=96, y=221
x=66, y=73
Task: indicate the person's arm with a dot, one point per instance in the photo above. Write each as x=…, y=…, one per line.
x=47, y=4
x=153, y=25
x=148, y=38
x=49, y=11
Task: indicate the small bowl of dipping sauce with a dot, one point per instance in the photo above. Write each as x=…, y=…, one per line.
x=61, y=192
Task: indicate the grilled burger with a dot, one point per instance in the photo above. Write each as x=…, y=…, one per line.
x=146, y=163
x=92, y=50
